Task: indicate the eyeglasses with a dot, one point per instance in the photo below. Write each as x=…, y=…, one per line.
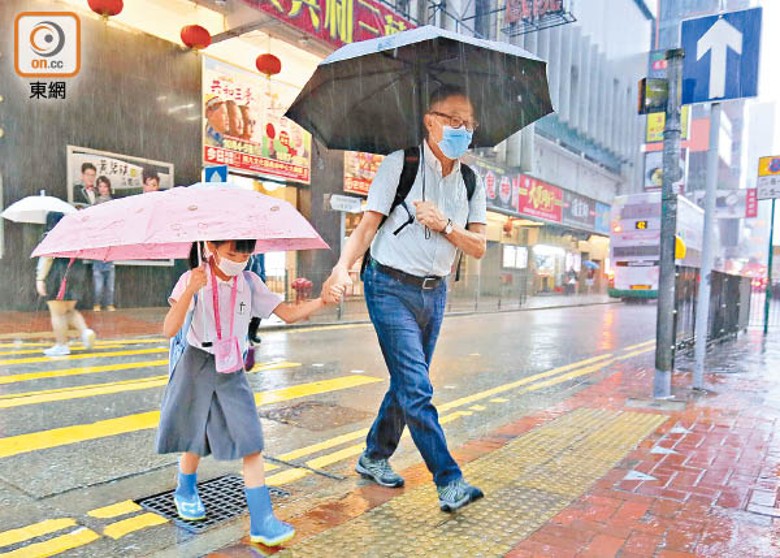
x=457, y=121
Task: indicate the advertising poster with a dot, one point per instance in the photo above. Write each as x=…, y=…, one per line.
x=244, y=125
x=540, y=199
x=359, y=171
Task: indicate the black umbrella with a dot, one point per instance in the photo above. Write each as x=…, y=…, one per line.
x=371, y=95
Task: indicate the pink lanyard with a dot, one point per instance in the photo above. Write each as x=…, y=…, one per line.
x=215, y=298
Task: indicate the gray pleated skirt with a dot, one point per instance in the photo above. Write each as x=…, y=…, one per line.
x=208, y=413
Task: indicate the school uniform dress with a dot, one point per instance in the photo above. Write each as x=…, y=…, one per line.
x=203, y=411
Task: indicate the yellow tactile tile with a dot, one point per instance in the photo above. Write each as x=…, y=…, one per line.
x=527, y=482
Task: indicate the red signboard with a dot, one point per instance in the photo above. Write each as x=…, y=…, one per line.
x=751, y=203
x=254, y=163
x=531, y=9
x=540, y=199
x=336, y=22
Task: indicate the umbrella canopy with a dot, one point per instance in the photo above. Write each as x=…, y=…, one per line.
x=164, y=224
x=371, y=95
x=33, y=209
x=590, y=264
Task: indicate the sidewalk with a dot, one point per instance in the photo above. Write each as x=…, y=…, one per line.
x=606, y=473
x=133, y=322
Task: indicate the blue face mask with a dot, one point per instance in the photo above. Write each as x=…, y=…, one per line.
x=455, y=141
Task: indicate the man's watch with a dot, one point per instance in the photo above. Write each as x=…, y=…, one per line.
x=447, y=228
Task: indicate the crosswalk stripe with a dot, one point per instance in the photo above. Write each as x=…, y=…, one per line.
x=57, y=437
x=100, y=343
x=91, y=390
x=124, y=527
x=57, y=545
x=38, y=360
x=15, y=536
x=114, y=510
x=64, y=372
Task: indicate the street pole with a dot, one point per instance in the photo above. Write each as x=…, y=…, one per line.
x=705, y=273
x=665, y=342
x=768, y=291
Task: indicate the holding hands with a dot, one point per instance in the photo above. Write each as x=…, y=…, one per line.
x=336, y=286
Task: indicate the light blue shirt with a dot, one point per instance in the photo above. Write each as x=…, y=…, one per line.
x=410, y=251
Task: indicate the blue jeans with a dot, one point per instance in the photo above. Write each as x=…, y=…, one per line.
x=407, y=320
x=103, y=277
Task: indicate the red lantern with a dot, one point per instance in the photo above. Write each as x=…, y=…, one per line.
x=268, y=64
x=195, y=36
x=106, y=8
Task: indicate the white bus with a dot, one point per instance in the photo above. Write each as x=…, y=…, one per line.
x=635, y=242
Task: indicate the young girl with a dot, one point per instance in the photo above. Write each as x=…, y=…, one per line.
x=207, y=412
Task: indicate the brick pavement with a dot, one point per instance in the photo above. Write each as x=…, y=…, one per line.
x=704, y=484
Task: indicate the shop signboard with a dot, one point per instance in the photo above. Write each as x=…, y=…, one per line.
x=359, y=171
x=244, y=126
x=578, y=211
x=540, y=199
x=336, y=22
x=603, y=217
x=501, y=187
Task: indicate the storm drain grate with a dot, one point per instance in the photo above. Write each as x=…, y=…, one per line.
x=223, y=497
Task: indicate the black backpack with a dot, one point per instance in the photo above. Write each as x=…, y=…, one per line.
x=408, y=176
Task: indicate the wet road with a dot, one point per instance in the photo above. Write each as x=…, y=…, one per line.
x=77, y=433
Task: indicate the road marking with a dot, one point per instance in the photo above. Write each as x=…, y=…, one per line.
x=91, y=390
x=38, y=360
x=477, y=407
x=63, y=372
x=101, y=343
x=499, y=400
x=57, y=545
x=57, y=437
x=631, y=347
x=15, y=536
x=115, y=510
x=124, y=527
x=96, y=350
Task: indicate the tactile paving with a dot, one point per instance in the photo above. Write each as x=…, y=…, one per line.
x=526, y=482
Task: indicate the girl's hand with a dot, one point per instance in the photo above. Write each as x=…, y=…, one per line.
x=197, y=278
x=40, y=286
x=334, y=294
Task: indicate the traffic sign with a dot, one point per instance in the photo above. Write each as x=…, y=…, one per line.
x=768, y=182
x=347, y=204
x=215, y=173
x=720, y=46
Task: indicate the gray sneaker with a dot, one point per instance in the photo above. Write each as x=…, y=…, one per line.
x=379, y=471
x=457, y=494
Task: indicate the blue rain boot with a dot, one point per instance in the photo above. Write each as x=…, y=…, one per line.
x=264, y=528
x=186, y=498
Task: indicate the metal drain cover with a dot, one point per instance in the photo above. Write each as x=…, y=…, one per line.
x=223, y=497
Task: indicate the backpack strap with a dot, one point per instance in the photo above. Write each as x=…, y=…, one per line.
x=405, y=182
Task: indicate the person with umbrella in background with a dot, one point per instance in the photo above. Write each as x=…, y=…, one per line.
x=424, y=97
x=61, y=280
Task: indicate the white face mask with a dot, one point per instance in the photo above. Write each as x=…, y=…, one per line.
x=229, y=267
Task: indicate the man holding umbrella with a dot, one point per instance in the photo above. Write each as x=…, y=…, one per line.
x=406, y=290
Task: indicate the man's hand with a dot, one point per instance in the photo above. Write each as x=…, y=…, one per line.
x=430, y=215
x=334, y=288
x=40, y=286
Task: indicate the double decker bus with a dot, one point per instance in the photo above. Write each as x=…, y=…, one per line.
x=635, y=242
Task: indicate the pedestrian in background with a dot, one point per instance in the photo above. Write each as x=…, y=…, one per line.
x=208, y=407
x=405, y=283
x=103, y=273
x=60, y=280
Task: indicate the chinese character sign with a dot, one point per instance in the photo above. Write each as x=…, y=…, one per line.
x=336, y=22
x=500, y=187
x=579, y=211
x=359, y=171
x=539, y=199
x=768, y=182
x=244, y=126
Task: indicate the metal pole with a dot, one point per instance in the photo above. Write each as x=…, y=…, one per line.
x=705, y=275
x=768, y=292
x=665, y=343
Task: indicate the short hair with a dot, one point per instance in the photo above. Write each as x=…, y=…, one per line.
x=87, y=166
x=104, y=180
x=149, y=173
x=445, y=92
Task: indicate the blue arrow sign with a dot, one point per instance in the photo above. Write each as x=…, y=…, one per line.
x=216, y=173
x=721, y=56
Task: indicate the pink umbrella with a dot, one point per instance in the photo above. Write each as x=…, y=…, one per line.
x=164, y=224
